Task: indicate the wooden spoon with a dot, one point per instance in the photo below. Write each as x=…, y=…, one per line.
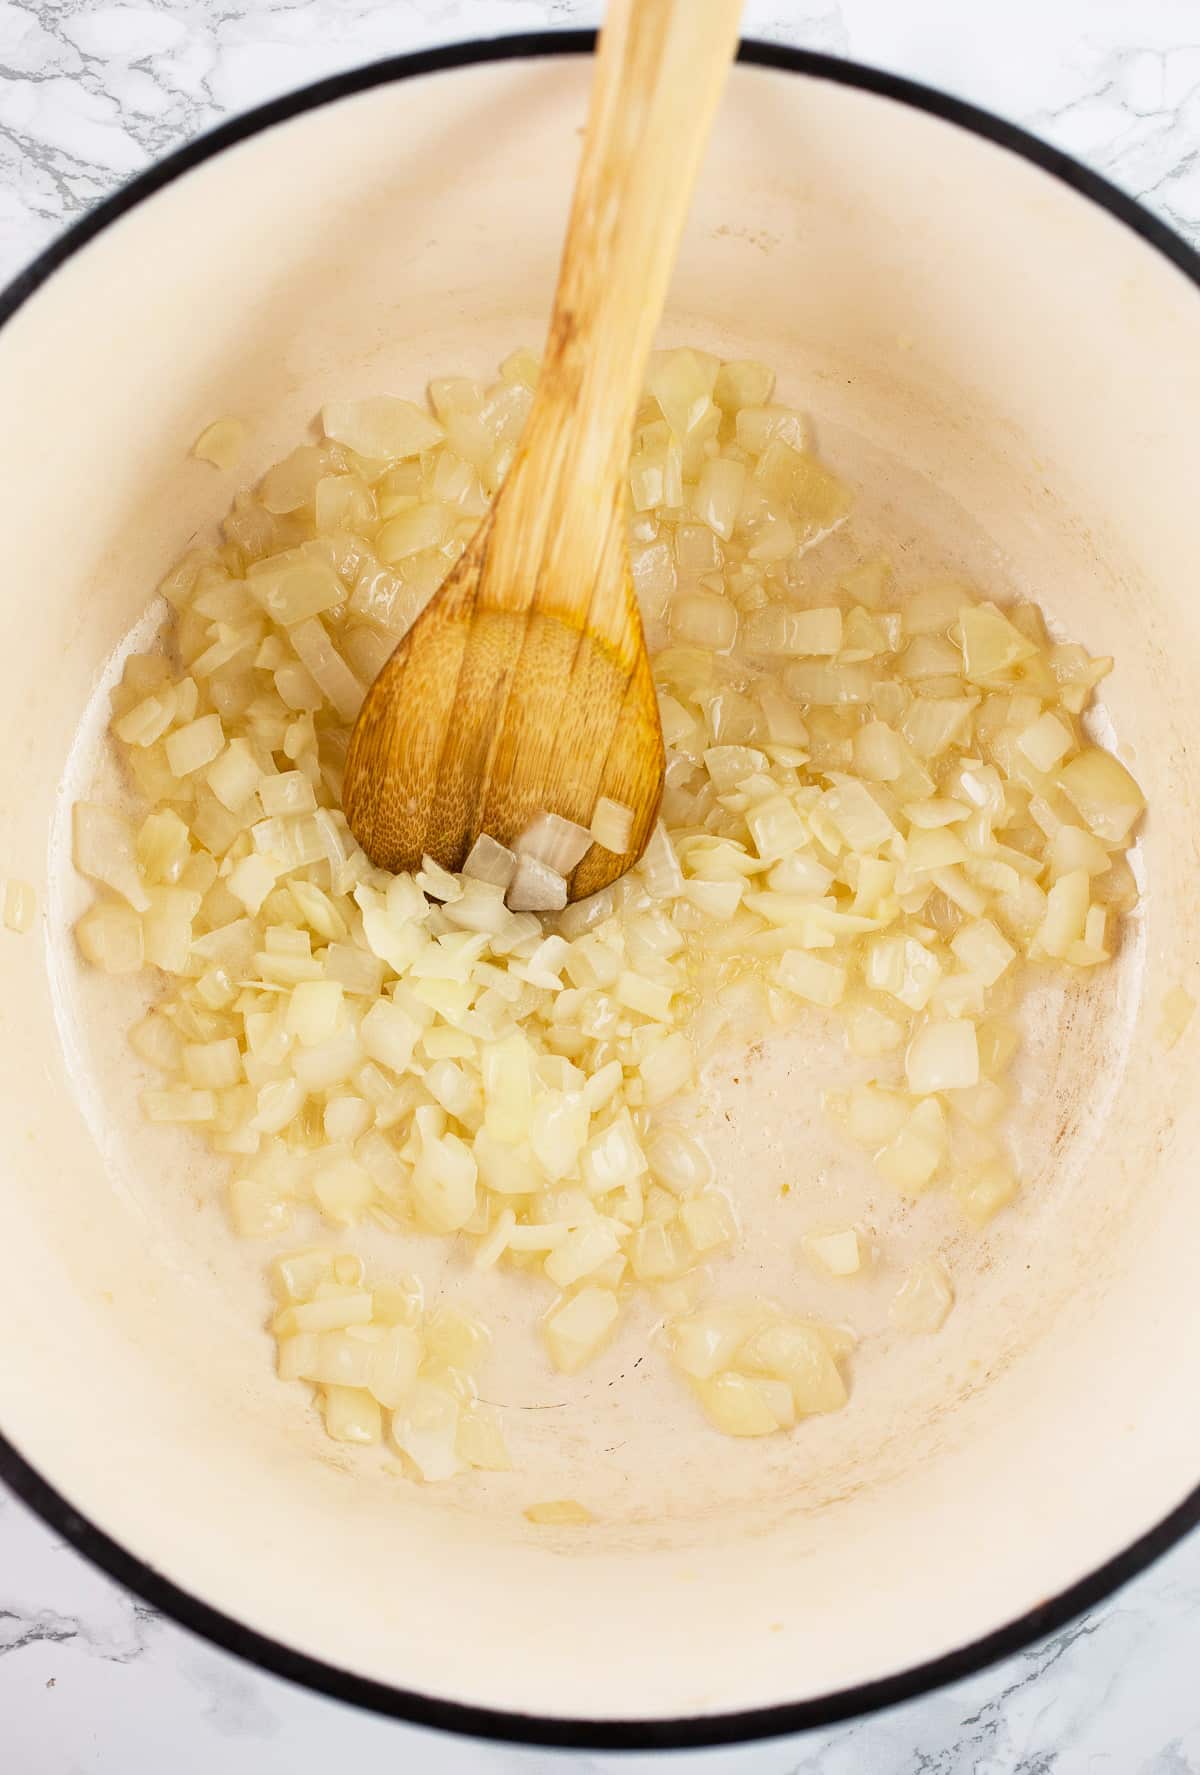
x=524, y=686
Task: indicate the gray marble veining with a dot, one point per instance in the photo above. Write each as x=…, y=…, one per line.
x=94, y=1683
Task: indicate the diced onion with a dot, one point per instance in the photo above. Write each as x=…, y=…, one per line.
x=381, y=427
x=612, y=825
x=300, y=589
x=221, y=443
x=577, y=1327
x=923, y=1299
x=704, y=619
x=660, y=866
x=836, y=1253
x=991, y=645
x=110, y=937
x=104, y=850
x=942, y=1057
x=983, y=1191
x=1046, y=741
x=912, y=1157
x=490, y=862
x=820, y=982
x=736, y=1404
x=1105, y=795
x=329, y=671
x=314, y=1011
x=875, y=1115
x=719, y=495
x=875, y=803
x=559, y=844
x=536, y=887
x=803, y=1355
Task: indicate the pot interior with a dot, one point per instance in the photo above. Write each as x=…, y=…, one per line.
x=1011, y=378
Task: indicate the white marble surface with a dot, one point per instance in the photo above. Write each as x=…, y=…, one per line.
x=93, y=1683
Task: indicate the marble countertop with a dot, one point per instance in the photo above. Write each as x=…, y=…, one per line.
x=95, y=1683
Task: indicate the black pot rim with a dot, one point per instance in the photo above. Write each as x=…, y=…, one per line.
x=383, y=1698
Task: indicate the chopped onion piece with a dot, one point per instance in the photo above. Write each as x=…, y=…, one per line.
x=991, y=645
x=985, y=1190
x=859, y=818
x=1105, y=795
x=814, y=631
x=942, y=1057
x=737, y=1405
x=480, y=1441
x=660, y=866
x=983, y=950
x=903, y=967
x=612, y=825
x=314, y=1011
x=820, y=982
x=234, y=776
x=709, y=1221
x=329, y=670
x=148, y=720
x=110, y=937
x=443, y=1183
x=1046, y=742
x=667, y=1069
x=221, y=443
x=251, y=880
x=911, y=1158
x=436, y=882
x=679, y=1162
x=923, y=1299
x=277, y=1103
x=191, y=747
x=104, y=850
x=259, y=1212
x=581, y=1253
x=682, y=384
x=490, y=862
x=425, y=1428
x=213, y=1065
x=325, y=1312
x=297, y=590
x=776, y=828
x=718, y=494
x=536, y=887
x=872, y=1033
x=803, y=1355
x=878, y=752
x=576, y=1328
x=874, y=1115
x=759, y=423
x=1066, y=913
x=411, y=532
x=559, y=844
x=835, y=1253
x=180, y=1104
x=381, y=427
x=558, y=1132
x=744, y=383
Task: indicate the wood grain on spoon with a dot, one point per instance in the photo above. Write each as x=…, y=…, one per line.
x=524, y=686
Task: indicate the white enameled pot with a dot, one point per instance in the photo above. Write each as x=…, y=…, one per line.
x=986, y=320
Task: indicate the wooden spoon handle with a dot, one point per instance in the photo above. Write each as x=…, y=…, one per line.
x=660, y=70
